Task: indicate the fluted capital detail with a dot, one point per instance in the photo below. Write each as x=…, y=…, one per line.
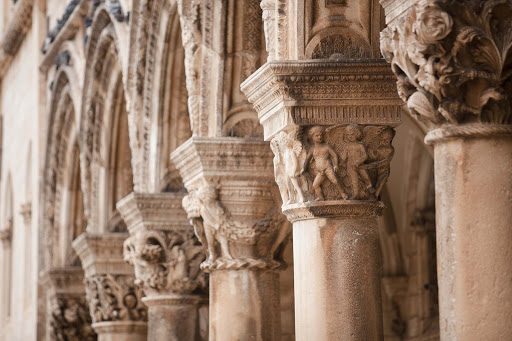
x=452, y=61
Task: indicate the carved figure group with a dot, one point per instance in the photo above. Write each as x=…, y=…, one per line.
x=357, y=167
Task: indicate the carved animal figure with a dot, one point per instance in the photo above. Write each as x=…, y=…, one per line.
x=326, y=162
x=353, y=156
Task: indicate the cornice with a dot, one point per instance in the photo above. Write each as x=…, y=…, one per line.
x=15, y=33
x=333, y=209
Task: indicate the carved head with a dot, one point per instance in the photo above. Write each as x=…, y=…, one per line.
x=352, y=133
x=316, y=134
x=387, y=136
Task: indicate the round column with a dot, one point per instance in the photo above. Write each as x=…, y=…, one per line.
x=337, y=270
x=121, y=331
x=474, y=237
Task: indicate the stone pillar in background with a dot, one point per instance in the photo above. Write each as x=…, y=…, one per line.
x=231, y=205
x=68, y=311
x=115, y=305
x=227, y=170
x=329, y=110
x=452, y=61
x=166, y=255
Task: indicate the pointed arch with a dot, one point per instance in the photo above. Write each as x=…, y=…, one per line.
x=105, y=139
x=158, y=65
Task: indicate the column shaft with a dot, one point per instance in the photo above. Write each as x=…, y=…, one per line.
x=337, y=279
x=474, y=237
x=244, y=305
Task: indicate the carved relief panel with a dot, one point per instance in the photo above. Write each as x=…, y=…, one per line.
x=339, y=162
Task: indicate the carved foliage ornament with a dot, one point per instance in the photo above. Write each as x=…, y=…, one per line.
x=70, y=320
x=453, y=60
x=339, y=162
x=114, y=298
x=166, y=262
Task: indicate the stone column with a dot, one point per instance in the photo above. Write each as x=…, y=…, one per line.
x=68, y=315
x=166, y=255
x=114, y=300
x=452, y=60
x=329, y=109
x=332, y=151
x=231, y=206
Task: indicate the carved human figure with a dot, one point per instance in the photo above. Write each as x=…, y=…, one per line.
x=326, y=162
x=292, y=149
x=353, y=156
x=382, y=156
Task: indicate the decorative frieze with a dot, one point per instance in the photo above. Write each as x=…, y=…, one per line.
x=450, y=59
x=162, y=246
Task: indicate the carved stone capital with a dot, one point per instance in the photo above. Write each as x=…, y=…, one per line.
x=67, y=308
x=232, y=202
x=109, y=280
x=162, y=246
x=452, y=61
x=114, y=298
x=331, y=125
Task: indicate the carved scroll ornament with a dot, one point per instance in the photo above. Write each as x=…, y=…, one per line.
x=114, y=298
x=166, y=262
x=338, y=162
x=453, y=61
x=261, y=240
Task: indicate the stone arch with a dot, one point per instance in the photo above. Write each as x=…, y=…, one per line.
x=59, y=171
x=160, y=90
x=104, y=119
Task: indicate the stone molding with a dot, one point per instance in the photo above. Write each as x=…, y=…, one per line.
x=15, y=33
x=162, y=245
x=450, y=59
x=232, y=202
x=288, y=93
x=333, y=209
x=121, y=327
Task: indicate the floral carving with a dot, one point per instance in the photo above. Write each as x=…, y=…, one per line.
x=70, y=320
x=114, y=298
x=453, y=60
x=166, y=262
